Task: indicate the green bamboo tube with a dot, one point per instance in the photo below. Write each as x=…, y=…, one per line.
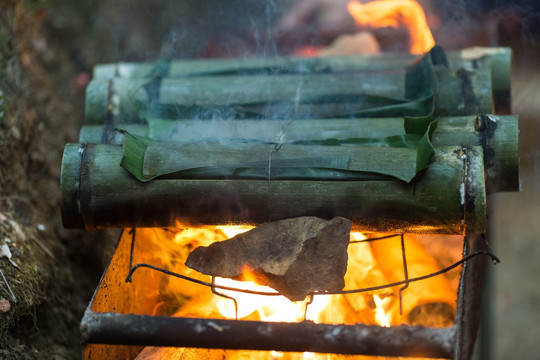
x=464, y=93
x=98, y=193
x=285, y=96
x=197, y=67
x=497, y=59
x=498, y=136
x=214, y=96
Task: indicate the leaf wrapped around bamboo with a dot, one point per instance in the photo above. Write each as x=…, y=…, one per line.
x=236, y=96
x=253, y=65
x=148, y=160
x=498, y=136
x=284, y=96
x=402, y=92
x=449, y=197
x=408, y=92
x=497, y=59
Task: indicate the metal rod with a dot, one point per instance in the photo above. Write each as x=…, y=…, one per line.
x=130, y=329
x=494, y=258
x=406, y=272
x=225, y=296
x=308, y=302
x=133, y=233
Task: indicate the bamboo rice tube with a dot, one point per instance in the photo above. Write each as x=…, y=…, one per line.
x=224, y=96
x=434, y=295
x=253, y=65
x=383, y=94
x=498, y=136
x=497, y=59
x=98, y=193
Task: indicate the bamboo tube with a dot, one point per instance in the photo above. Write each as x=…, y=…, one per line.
x=98, y=193
x=432, y=292
x=497, y=59
x=222, y=96
x=284, y=96
x=464, y=93
x=254, y=65
x=498, y=136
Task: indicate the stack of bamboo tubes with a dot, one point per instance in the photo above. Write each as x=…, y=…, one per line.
x=396, y=143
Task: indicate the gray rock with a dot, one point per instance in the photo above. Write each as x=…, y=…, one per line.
x=294, y=256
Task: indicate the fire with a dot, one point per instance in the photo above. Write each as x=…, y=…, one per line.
x=381, y=314
x=267, y=308
x=369, y=264
x=392, y=13
x=233, y=230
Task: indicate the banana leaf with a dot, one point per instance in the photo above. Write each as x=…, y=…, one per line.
x=253, y=65
x=316, y=94
x=398, y=157
x=373, y=158
x=418, y=100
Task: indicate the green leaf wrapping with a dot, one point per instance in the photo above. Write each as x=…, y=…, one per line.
x=333, y=161
x=417, y=100
x=399, y=157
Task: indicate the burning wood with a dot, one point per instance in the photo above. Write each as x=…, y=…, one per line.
x=295, y=256
x=435, y=294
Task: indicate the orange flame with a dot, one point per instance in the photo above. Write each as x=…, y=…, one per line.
x=391, y=13
x=381, y=315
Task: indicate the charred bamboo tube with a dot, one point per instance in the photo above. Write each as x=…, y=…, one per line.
x=449, y=198
x=498, y=136
x=123, y=100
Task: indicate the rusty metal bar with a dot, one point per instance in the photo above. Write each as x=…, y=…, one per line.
x=470, y=297
x=130, y=329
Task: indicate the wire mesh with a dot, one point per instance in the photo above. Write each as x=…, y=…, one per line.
x=216, y=288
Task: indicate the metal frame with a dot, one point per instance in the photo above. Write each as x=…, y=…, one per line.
x=104, y=323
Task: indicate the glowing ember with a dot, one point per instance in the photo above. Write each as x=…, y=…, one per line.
x=392, y=13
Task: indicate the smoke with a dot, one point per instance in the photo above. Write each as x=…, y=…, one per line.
x=140, y=30
x=264, y=45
